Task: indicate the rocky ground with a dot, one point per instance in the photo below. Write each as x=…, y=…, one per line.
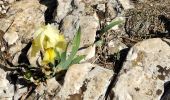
x=131, y=61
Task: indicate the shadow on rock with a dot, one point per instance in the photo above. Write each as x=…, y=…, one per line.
x=166, y=94
x=51, y=6
x=15, y=76
x=118, y=67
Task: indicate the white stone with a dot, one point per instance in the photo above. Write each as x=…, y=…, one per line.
x=1, y=2
x=88, y=25
x=0, y=9
x=11, y=1
x=6, y=89
x=63, y=8
x=21, y=90
x=15, y=59
x=82, y=80
x=50, y=87
x=34, y=61
x=101, y=7
x=3, y=11
x=21, y=21
x=11, y=38
x=146, y=69
x=2, y=49
x=70, y=26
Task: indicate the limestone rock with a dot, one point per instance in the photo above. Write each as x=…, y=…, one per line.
x=144, y=72
x=6, y=89
x=20, y=23
x=21, y=90
x=51, y=87
x=88, y=25
x=69, y=26
x=63, y=8
x=82, y=80
x=111, y=12
x=22, y=20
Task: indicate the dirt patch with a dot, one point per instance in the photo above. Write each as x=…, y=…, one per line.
x=149, y=19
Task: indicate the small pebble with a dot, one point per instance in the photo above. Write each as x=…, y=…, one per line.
x=3, y=11
x=3, y=49
x=0, y=9
x=1, y=2
x=3, y=7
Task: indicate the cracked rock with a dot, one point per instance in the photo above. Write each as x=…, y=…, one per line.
x=22, y=20
x=82, y=80
x=145, y=71
x=6, y=89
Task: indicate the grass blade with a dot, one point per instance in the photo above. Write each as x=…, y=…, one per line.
x=113, y=23
x=77, y=59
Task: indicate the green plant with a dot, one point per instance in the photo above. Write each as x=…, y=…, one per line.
x=112, y=24
x=53, y=46
x=72, y=58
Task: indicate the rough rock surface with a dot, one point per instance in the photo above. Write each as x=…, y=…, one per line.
x=82, y=80
x=20, y=23
x=50, y=88
x=88, y=25
x=144, y=72
x=115, y=46
x=21, y=20
x=6, y=89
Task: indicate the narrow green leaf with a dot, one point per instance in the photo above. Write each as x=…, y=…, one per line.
x=75, y=46
x=77, y=59
x=113, y=23
x=63, y=56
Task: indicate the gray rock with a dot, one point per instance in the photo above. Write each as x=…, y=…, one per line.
x=6, y=89
x=111, y=12
x=21, y=21
x=144, y=72
x=63, y=8
x=51, y=87
x=69, y=26
x=21, y=91
x=85, y=82
x=88, y=25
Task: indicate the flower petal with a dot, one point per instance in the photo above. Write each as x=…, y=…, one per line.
x=49, y=56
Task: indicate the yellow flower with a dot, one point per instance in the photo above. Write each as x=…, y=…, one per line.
x=49, y=56
x=47, y=38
